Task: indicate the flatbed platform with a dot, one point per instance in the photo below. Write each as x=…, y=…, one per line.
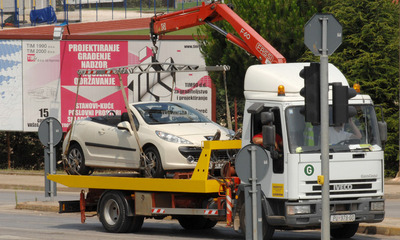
x=137, y=184
x=198, y=183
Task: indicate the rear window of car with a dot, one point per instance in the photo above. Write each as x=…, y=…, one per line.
x=169, y=113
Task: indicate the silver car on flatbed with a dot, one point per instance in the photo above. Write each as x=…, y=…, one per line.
x=169, y=133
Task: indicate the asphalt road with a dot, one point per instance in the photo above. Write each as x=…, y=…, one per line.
x=27, y=224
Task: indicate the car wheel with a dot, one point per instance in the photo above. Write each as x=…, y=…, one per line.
x=153, y=161
x=76, y=161
x=113, y=213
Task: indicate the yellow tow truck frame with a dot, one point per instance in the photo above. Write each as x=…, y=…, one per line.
x=197, y=202
x=198, y=183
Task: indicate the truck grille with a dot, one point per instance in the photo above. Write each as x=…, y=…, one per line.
x=343, y=187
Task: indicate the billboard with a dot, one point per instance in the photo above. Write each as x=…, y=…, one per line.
x=11, y=85
x=41, y=85
x=192, y=88
x=97, y=94
x=39, y=79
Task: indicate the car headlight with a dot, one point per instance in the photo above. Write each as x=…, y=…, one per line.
x=172, y=138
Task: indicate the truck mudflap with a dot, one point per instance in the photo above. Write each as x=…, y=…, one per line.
x=308, y=214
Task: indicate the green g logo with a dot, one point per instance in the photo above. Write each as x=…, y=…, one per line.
x=309, y=170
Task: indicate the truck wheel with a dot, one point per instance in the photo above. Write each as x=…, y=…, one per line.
x=154, y=162
x=268, y=231
x=192, y=222
x=210, y=224
x=76, y=161
x=345, y=231
x=136, y=225
x=113, y=214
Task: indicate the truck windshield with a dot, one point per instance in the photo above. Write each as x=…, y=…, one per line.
x=359, y=134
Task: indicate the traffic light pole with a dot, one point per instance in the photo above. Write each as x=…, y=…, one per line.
x=325, y=225
x=316, y=30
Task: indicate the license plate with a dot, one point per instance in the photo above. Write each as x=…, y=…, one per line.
x=343, y=218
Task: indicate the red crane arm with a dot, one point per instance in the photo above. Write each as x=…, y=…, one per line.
x=249, y=39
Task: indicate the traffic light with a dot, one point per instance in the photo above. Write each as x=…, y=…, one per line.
x=311, y=93
x=341, y=110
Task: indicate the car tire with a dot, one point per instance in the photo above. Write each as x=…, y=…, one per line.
x=154, y=160
x=76, y=161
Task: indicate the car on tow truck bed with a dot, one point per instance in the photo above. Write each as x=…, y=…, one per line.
x=170, y=134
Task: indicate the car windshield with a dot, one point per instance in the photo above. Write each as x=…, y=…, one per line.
x=169, y=113
x=304, y=137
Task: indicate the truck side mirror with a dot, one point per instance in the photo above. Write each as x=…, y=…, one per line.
x=267, y=118
x=255, y=108
x=352, y=111
x=268, y=132
x=382, y=131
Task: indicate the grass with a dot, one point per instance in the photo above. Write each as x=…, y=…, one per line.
x=145, y=8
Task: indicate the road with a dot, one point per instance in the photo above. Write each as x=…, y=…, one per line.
x=27, y=225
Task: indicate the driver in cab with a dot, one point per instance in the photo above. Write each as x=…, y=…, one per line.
x=338, y=134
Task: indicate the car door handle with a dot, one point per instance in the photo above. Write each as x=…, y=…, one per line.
x=101, y=132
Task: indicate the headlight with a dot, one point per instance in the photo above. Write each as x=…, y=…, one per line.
x=172, y=138
x=377, y=206
x=294, y=210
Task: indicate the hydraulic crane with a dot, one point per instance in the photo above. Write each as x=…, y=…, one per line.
x=249, y=39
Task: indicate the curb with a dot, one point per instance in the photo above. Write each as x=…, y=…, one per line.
x=38, y=206
x=38, y=188
x=381, y=230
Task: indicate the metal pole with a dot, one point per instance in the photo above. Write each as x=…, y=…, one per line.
x=253, y=180
x=325, y=225
x=51, y=152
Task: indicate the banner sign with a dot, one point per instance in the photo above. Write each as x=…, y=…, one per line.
x=192, y=88
x=97, y=94
x=41, y=74
x=10, y=85
x=39, y=79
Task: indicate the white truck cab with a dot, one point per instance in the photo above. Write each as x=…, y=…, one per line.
x=291, y=194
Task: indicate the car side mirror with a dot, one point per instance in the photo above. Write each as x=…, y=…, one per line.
x=125, y=125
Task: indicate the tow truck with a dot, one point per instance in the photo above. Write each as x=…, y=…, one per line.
x=289, y=191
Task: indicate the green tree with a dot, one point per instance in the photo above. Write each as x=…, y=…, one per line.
x=26, y=151
x=369, y=55
x=279, y=22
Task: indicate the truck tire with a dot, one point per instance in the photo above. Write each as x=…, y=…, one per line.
x=113, y=214
x=76, y=161
x=268, y=231
x=154, y=159
x=210, y=223
x=136, y=225
x=193, y=222
x=345, y=231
